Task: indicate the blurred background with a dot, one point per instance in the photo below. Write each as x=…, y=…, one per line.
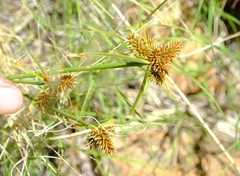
x=171, y=141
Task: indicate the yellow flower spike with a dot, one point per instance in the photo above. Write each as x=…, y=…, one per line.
x=160, y=57
x=101, y=137
x=66, y=83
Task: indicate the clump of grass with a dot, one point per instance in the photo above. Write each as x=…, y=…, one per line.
x=159, y=59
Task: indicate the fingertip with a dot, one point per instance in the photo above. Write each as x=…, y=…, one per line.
x=11, y=98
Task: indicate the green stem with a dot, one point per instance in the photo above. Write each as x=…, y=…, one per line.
x=113, y=55
x=78, y=69
x=29, y=82
x=70, y=116
x=139, y=93
x=88, y=95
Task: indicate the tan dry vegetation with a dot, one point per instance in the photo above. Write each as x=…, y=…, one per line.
x=178, y=145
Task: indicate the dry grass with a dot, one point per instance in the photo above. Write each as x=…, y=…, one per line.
x=155, y=133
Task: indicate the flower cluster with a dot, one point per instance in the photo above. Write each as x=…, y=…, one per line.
x=101, y=137
x=160, y=57
x=54, y=86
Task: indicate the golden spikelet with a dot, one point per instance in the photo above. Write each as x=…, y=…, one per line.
x=160, y=57
x=45, y=100
x=156, y=77
x=101, y=137
x=52, y=89
x=66, y=83
x=141, y=46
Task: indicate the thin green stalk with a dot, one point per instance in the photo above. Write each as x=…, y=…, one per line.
x=79, y=13
x=154, y=10
x=78, y=69
x=70, y=116
x=139, y=93
x=100, y=5
x=114, y=55
x=130, y=104
x=88, y=94
x=107, y=117
x=29, y=82
x=103, y=32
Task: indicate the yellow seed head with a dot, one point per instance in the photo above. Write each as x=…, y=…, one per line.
x=160, y=57
x=101, y=137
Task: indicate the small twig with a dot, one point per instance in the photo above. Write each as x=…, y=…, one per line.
x=216, y=43
x=70, y=135
x=199, y=117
